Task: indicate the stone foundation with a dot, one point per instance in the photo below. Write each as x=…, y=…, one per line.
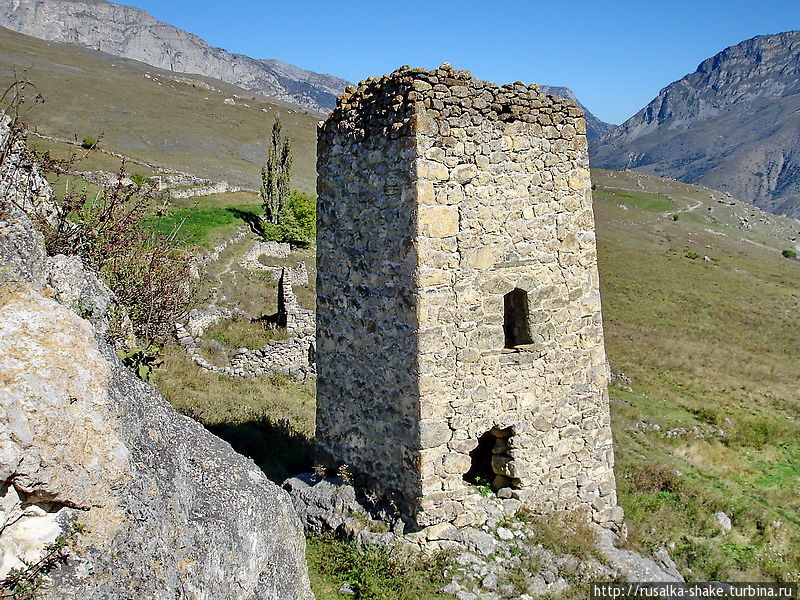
x=293, y=356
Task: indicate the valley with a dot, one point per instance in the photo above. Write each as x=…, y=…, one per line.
x=699, y=290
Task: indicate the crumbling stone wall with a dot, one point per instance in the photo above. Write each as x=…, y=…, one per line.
x=298, y=275
x=297, y=320
x=293, y=356
x=453, y=213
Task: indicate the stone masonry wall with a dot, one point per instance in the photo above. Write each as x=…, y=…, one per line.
x=368, y=416
x=294, y=355
x=440, y=194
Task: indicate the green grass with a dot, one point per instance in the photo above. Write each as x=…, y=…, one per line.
x=243, y=333
x=708, y=345
x=271, y=420
x=372, y=572
x=208, y=220
x=203, y=226
x=783, y=471
x=644, y=201
x=222, y=200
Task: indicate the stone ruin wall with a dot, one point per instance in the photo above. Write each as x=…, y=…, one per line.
x=294, y=355
x=297, y=275
x=438, y=195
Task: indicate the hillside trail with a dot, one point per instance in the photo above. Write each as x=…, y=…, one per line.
x=685, y=209
x=226, y=269
x=697, y=203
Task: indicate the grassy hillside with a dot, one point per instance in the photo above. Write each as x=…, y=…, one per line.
x=706, y=416
x=174, y=120
x=700, y=314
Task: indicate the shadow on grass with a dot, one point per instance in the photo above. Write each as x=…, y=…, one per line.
x=252, y=219
x=275, y=446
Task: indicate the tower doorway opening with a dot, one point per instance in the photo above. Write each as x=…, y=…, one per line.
x=491, y=461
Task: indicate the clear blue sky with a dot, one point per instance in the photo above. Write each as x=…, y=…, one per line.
x=616, y=56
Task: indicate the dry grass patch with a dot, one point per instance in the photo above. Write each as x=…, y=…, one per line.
x=269, y=419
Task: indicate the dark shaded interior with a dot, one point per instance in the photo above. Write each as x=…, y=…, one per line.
x=480, y=471
x=515, y=319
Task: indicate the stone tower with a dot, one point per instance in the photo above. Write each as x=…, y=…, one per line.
x=459, y=333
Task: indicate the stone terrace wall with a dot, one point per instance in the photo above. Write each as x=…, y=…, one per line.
x=294, y=355
x=439, y=195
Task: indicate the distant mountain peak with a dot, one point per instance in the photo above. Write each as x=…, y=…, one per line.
x=133, y=33
x=595, y=128
x=733, y=124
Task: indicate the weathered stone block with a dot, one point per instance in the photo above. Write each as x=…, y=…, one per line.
x=438, y=221
x=433, y=433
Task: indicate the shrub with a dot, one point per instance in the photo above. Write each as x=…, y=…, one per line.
x=88, y=143
x=304, y=210
x=789, y=253
x=653, y=478
x=675, y=217
x=692, y=255
x=705, y=556
x=565, y=532
x=141, y=180
x=754, y=432
x=297, y=224
x=146, y=270
x=26, y=583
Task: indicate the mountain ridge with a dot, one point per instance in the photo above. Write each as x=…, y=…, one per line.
x=595, y=128
x=733, y=125
x=133, y=33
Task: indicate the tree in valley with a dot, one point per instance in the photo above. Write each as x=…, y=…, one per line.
x=275, y=175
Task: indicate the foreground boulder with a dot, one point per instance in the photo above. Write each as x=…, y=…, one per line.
x=169, y=510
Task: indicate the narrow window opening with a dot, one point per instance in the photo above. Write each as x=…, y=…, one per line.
x=491, y=461
x=515, y=318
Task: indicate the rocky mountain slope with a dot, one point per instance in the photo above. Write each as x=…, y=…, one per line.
x=733, y=125
x=595, y=128
x=185, y=122
x=132, y=33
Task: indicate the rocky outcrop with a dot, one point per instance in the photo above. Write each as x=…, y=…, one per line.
x=169, y=510
x=131, y=32
x=732, y=125
x=507, y=548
